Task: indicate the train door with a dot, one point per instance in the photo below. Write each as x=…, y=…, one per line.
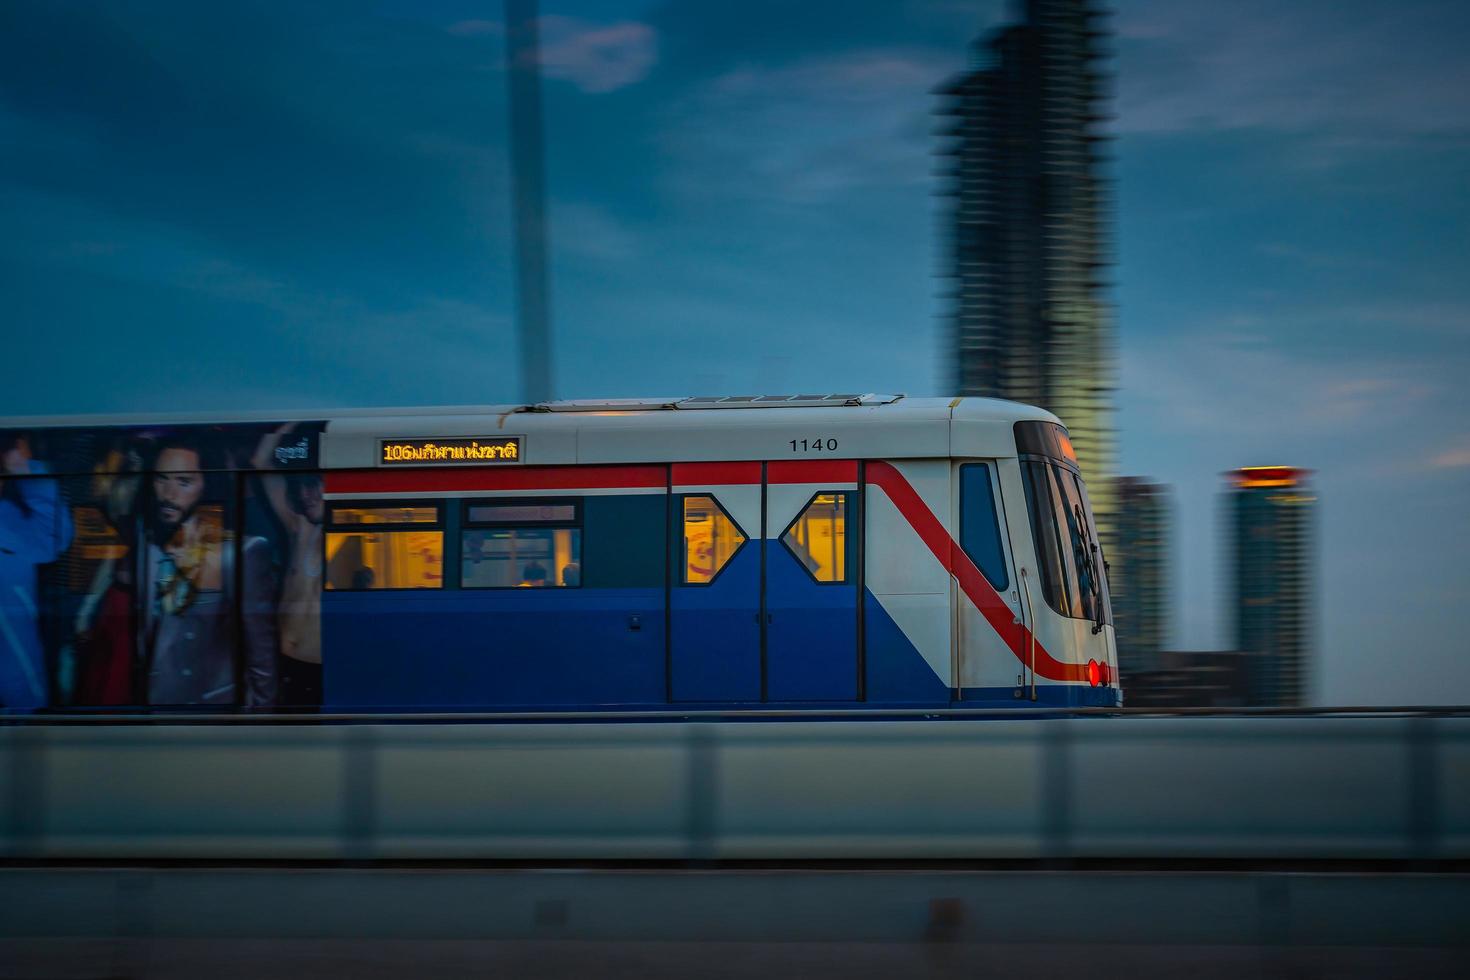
x=989, y=669
x=764, y=585
x=811, y=582
x=715, y=582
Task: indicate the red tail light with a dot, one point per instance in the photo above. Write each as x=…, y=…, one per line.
x=1094, y=673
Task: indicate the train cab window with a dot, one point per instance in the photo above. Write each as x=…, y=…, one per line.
x=1057, y=567
x=384, y=546
x=818, y=537
x=711, y=539
x=522, y=544
x=980, y=524
x=1068, y=552
x=1087, y=549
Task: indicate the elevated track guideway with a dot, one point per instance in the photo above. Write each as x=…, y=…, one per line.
x=948, y=844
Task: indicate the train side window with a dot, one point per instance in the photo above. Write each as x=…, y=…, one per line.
x=818, y=537
x=521, y=544
x=711, y=539
x=980, y=524
x=521, y=558
x=384, y=546
x=625, y=543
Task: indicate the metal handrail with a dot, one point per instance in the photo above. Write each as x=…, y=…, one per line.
x=1031, y=632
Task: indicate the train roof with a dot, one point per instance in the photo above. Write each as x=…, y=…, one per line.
x=969, y=407
x=649, y=430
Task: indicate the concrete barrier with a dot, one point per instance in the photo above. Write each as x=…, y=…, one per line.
x=1350, y=787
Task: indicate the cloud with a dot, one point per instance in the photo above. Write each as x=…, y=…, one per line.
x=588, y=231
x=270, y=136
x=1391, y=70
x=708, y=38
x=476, y=28
x=1317, y=258
x=111, y=313
x=1246, y=387
x=597, y=58
x=813, y=129
x=1452, y=459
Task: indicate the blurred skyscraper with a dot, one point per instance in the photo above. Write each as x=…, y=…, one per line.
x=1271, y=552
x=1027, y=234
x=1191, y=679
x=1138, y=574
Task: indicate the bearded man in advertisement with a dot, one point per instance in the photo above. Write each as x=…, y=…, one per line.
x=190, y=587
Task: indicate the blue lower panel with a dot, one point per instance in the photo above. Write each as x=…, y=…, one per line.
x=1047, y=695
x=896, y=672
x=717, y=639
x=811, y=636
x=504, y=648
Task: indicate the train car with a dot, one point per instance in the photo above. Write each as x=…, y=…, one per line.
x=802, y=552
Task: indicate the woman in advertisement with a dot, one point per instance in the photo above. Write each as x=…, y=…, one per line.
x=105, y=626
x=35, y=528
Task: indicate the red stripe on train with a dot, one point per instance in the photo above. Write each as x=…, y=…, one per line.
x=830, y=471
x=974, y=584
x=494, y=478
x=812, y=471
x=884, y=475
x=716, y=474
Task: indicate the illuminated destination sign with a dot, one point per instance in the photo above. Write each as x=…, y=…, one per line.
x=455, y=451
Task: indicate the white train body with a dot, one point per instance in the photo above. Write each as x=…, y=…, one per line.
x=803, y=552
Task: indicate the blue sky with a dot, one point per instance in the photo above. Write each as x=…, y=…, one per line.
x=306, y=205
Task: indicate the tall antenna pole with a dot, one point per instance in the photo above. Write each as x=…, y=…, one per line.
x=528, y=198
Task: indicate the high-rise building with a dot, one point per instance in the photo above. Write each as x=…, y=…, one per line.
x=1138, y=574
x=1026, y=235
x=1271, y=551
x=1191, y=679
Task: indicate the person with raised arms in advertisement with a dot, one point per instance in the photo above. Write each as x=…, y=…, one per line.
x=296, y=500
x=35, y=528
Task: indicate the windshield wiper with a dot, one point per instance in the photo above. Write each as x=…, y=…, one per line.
x=1097, y=593
x=1094, y=569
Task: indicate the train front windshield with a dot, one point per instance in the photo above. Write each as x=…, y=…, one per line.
x=1073, y=571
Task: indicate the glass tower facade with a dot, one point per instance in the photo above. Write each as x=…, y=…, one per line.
x=1138, y=573
x=1026, y=233
x=1271, y=537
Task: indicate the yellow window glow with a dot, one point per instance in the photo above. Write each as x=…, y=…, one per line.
x=710, y=539
x=385, y=560
x=818, y=538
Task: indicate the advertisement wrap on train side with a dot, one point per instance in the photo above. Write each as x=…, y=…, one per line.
x=827, y=552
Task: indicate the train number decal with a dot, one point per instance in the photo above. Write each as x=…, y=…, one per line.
x=817, y=445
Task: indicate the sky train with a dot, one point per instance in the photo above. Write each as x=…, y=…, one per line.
x=840, y=551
